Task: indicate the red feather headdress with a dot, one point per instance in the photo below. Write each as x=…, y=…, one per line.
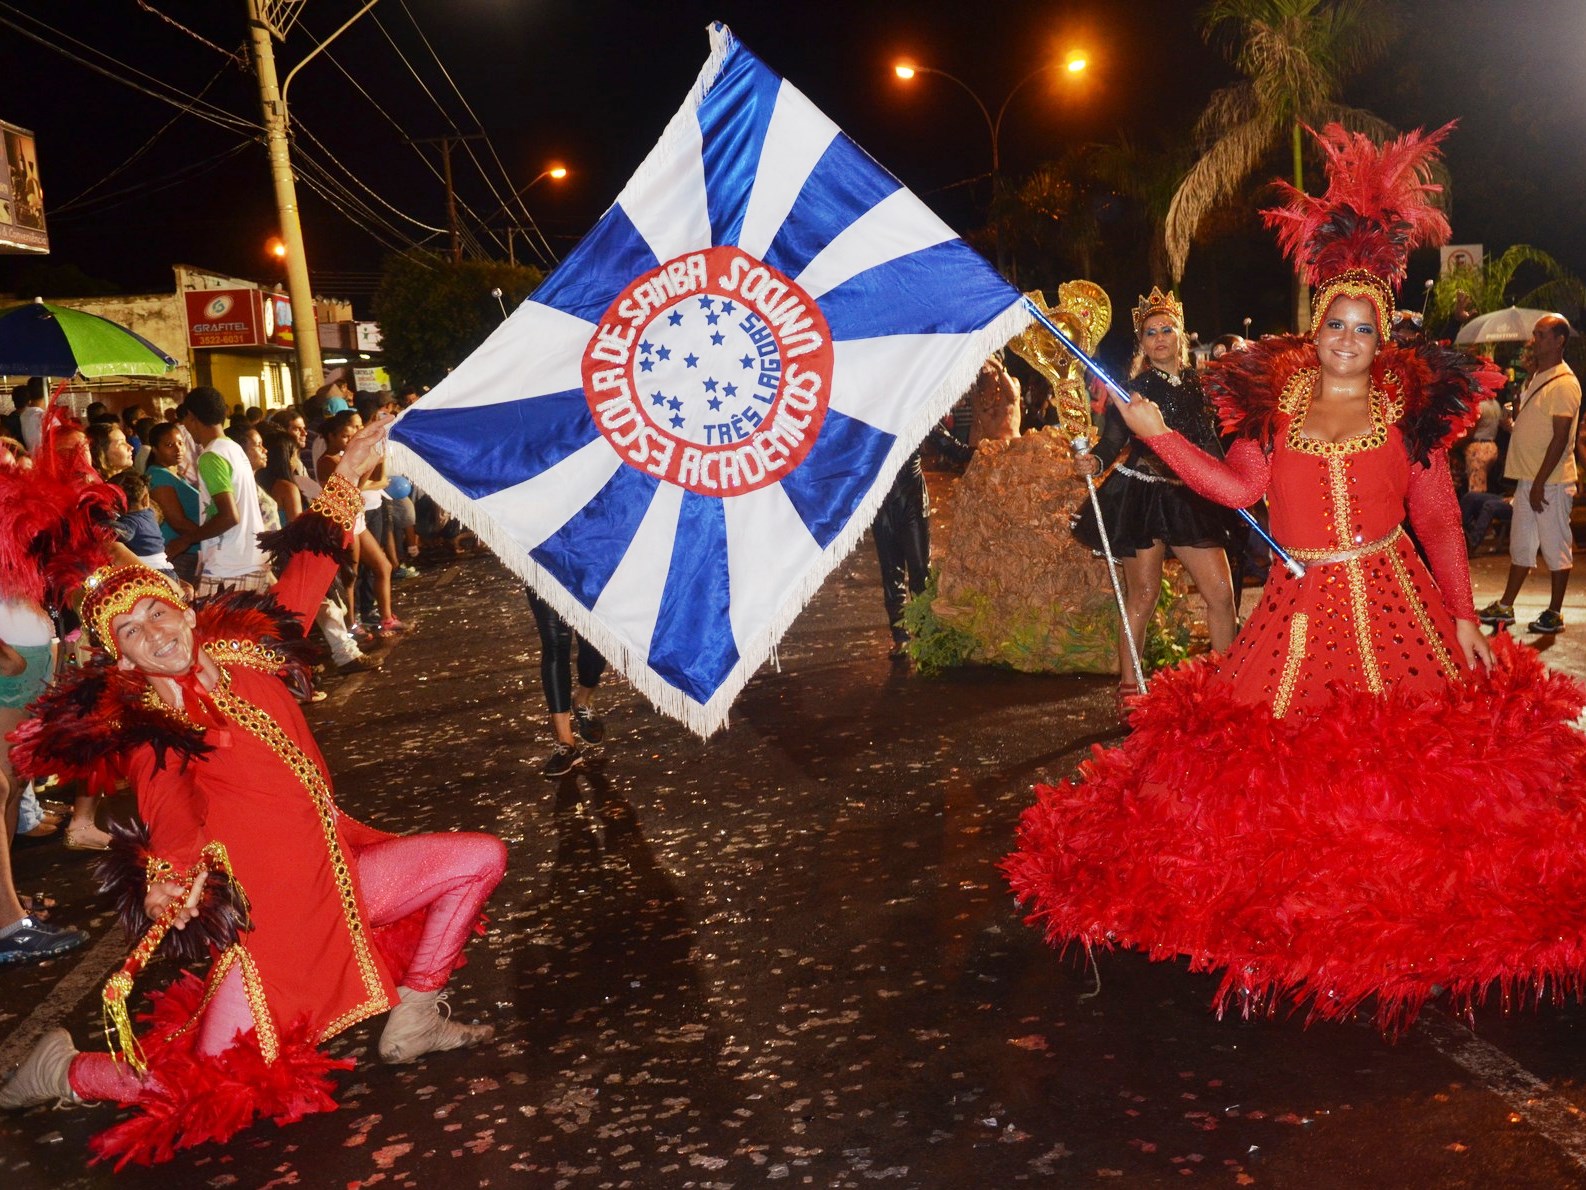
x=54, y=516
x=1354, y=240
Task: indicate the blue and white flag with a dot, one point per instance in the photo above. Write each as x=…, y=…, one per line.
x=696, y=416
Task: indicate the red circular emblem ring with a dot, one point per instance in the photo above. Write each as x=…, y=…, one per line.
x=711, y=372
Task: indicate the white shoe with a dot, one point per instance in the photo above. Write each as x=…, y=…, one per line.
x=417, y=1026
x=43, y=1075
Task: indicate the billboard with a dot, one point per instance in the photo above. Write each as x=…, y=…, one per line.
x=223, y=318
x=21, y=194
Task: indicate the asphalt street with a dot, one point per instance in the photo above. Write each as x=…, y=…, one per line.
x=784, y=955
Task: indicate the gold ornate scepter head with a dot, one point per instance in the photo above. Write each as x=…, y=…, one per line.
x=1084, y=313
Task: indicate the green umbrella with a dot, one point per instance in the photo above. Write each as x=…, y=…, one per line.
x=44, y=340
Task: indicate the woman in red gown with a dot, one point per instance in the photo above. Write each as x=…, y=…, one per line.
x=1362, y=797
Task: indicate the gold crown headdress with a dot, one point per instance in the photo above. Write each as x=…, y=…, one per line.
x=113, y=591
x=1154, y=303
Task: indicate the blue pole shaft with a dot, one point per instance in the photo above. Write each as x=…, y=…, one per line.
x=1096, y=370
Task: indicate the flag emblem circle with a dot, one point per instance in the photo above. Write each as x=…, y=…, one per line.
x=711, y=371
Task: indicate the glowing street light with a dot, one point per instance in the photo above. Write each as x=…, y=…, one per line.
x=276, y=247
x=1075, y=63
x=556, y=172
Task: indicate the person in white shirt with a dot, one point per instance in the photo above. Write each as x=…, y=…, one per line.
x=1541, y=460
x=228, y=552
x=29, y=401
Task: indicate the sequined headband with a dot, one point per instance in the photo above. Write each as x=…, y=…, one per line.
x=113, y=591
x=1355, y=283
x=1154, y=303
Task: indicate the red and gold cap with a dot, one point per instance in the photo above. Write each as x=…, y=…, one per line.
x=113, y=591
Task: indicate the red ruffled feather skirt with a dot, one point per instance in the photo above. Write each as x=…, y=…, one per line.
x=192, y=1099
x=1384, y=846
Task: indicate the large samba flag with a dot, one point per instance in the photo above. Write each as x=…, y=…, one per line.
x=695, y=417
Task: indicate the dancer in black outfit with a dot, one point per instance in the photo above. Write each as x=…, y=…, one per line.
x=902, y=531
x=1147, y=510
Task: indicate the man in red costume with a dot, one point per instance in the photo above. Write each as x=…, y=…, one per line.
x=313, y=922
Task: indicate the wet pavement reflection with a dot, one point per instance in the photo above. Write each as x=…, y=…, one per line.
x=784, y=955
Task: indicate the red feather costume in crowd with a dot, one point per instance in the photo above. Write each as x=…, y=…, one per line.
x=233, y=782
x=1337, y=808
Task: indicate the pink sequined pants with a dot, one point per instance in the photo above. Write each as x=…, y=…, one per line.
x=450, y=876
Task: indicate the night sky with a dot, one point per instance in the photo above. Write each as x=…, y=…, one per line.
x=592, y=84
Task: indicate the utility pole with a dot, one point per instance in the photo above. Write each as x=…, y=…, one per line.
x=446, y=142
x=305, y=330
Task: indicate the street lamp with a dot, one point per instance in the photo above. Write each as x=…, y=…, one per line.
x=556, y=172
x=272, y=98
x=1075, y=63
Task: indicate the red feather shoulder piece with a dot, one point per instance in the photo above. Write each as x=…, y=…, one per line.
x=1436, y=389
x=87, y=724
x=1244, y=386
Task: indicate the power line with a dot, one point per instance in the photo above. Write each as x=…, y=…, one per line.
x=329, y=186
x=412, y=141
x=61, y=208
x=238, y=57
x=319, y=144
x=517, y=195
x=480, y=134
x=196, y=106
x=314, y=183
x=176, y=177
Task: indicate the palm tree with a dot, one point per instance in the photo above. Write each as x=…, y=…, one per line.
x=1490, y=285
x=1149, y=177
x=1047, y=222
x=1295, y=56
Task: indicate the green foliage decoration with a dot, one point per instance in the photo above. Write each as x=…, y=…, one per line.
x=1090, y=647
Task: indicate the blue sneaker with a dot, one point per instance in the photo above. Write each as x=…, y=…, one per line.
x=32, y=942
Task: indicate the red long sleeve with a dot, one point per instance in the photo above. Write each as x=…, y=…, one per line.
x=1235, y=482
x=307, y=552
x=302, y=585
x=1434, y=514
x=169, y=801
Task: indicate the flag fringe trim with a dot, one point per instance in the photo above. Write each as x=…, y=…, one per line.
x=682, y=130
x=704, y=719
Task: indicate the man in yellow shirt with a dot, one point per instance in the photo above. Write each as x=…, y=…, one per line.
x=1542, y=461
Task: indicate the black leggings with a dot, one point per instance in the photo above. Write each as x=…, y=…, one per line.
x=556, y=652
x=903, y=545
